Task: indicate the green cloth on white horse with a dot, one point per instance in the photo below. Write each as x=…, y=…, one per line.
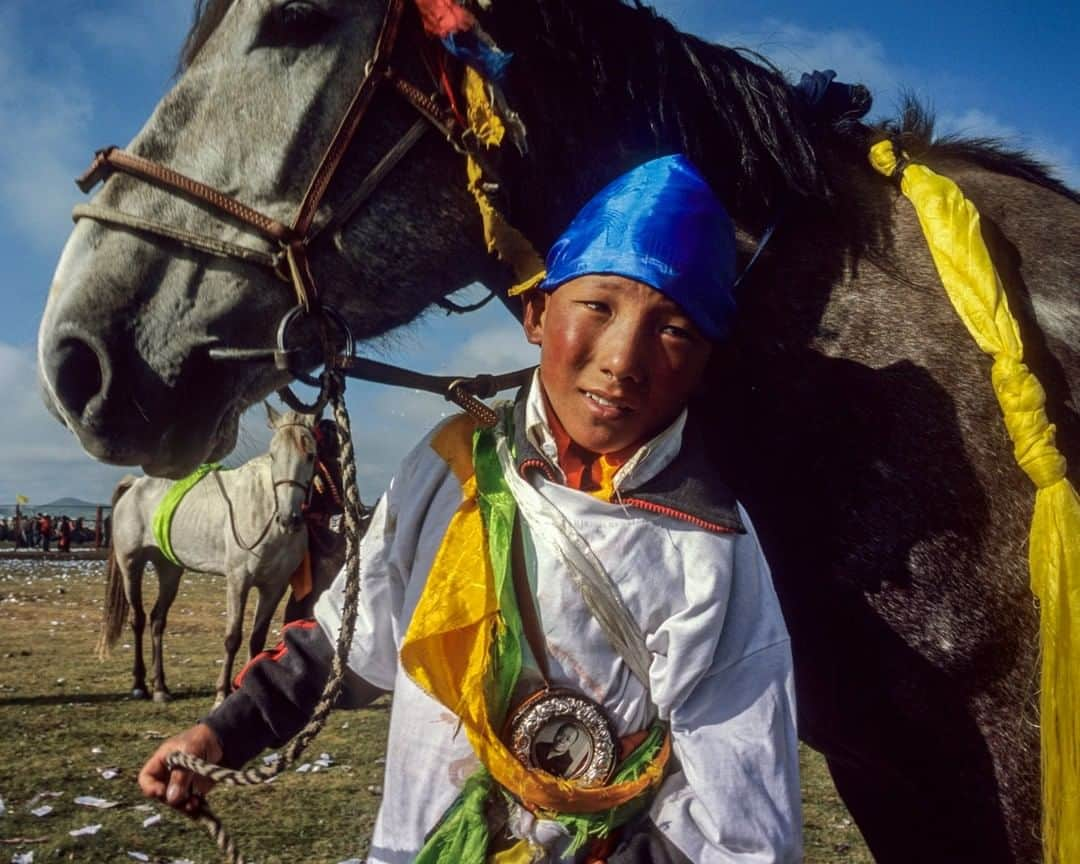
x=166, y=509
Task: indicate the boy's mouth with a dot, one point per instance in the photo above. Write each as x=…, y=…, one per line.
x=607, y=402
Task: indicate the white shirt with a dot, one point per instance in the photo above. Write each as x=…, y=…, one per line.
x=720, y=670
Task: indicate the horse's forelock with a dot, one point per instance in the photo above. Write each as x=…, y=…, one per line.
x=298, y=429
x=206, y=16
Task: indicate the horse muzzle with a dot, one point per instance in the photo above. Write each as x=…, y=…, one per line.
x=291, y=522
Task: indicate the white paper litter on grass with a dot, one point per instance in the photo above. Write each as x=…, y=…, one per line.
x=144, y=808
x=138, y=856
x=86, y=831
x=109, y=773
x=92, y=801
x=150, y=821
x=42, y=796
x=3, y=809
x=43, y=810
x=303, y=769
x=271, y=758
x=97, y=751
x=22, y=858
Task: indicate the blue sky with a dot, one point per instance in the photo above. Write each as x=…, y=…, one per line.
x=79, y=74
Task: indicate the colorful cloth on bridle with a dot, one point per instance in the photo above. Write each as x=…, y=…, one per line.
x=457, y=28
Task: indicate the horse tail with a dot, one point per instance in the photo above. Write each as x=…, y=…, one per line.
x=114, y=615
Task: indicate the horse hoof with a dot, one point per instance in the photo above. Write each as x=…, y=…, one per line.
x=139, y=693
x=162, y=696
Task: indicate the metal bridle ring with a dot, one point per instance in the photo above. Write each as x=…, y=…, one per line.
x=330, y=312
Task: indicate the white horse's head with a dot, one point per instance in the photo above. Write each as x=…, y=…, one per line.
x=125, y=344
x=292, y=464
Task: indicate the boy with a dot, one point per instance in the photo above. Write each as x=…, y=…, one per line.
x=577, y=569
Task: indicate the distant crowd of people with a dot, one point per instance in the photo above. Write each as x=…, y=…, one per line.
x=46, y=531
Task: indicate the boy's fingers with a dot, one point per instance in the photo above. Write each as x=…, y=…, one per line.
x=179, y=787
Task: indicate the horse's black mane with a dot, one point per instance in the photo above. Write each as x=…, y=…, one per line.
x=618, y=64
x=613, y=65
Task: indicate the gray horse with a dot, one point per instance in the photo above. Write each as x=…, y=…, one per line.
x=245, y=524
x=852, y=413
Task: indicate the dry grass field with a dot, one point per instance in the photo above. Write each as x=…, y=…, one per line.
x=71, y=730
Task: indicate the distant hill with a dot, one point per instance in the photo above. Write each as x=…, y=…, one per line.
x=61, y=503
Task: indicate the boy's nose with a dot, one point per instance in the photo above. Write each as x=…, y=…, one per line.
x=624, y=356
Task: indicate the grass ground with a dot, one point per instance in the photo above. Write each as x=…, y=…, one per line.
x=68, y=722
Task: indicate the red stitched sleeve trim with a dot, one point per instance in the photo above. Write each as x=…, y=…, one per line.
x=275, y=653
x=678, y=514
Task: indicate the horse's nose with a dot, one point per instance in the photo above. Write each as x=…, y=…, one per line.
x=78, y=371
x=291, y=522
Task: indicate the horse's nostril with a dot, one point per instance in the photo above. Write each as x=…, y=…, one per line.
x=77, y=375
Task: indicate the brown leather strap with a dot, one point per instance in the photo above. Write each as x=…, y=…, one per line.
x=114, y=159
x=526, y=603
x=380, y=61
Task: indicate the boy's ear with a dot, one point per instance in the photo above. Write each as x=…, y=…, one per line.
x=535, y=304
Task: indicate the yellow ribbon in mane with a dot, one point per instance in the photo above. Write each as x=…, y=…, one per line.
x=447, y=649
x=951, y=225
x=502, y=238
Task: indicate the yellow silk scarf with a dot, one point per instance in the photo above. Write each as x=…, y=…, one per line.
x=951, y=225
x=447, y=649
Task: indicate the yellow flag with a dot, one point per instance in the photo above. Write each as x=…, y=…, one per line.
x=21, y=499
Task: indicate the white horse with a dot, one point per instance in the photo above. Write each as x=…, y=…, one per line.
x=245, y=524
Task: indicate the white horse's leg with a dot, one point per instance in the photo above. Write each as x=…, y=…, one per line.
x=168, y=582
x=131, y=568
x=267, y=601
x=235, y=600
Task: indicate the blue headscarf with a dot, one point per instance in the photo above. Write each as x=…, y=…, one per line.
x=660, y=224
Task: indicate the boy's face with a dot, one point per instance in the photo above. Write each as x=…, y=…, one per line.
x=618, y=359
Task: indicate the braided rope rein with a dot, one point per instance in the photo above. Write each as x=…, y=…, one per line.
x=263, y=774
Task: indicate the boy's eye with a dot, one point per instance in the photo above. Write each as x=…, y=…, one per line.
x=678, y=332
x=595, y=305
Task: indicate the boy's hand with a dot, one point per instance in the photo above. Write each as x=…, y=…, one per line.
x=177, y=787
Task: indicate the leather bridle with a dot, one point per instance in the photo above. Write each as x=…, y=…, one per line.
x=290, y=261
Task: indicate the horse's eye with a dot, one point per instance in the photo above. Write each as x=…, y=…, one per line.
x=296, y=22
